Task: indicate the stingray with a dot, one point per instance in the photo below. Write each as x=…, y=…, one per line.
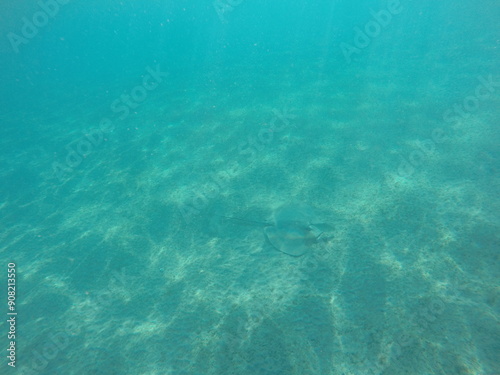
x=293, y=229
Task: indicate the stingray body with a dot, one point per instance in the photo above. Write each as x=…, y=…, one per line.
x=292, y=229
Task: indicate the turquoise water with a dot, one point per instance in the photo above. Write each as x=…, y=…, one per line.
x=147, y=152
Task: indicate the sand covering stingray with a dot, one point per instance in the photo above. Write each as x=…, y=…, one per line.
x=293, y=229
